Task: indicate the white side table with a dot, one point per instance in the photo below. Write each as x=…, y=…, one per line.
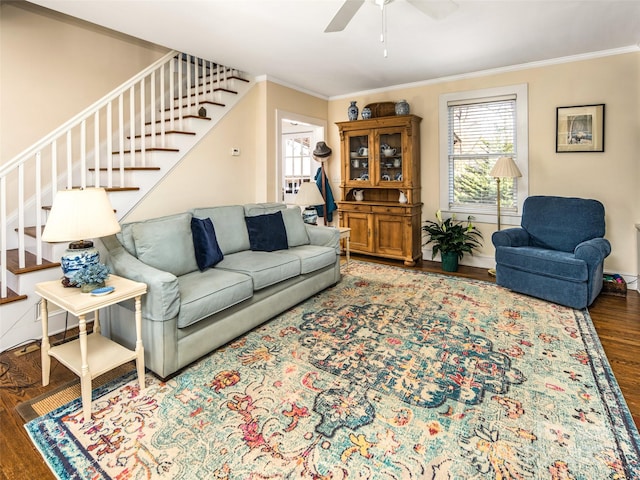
x=90, y=355
x=345, y=233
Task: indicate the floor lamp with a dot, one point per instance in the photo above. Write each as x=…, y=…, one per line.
x=505, y=167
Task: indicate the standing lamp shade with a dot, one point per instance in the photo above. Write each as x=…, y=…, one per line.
x=308, y=196
x=505, y=167
x=76, y=216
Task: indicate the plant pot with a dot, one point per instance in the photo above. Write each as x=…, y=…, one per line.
x=89, y=287
x=449, y=261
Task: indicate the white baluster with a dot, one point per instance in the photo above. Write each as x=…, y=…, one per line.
x=152, y=102
x=83, y=154
x=96, y=148
x=143, y=160
x=121, y=138
x=189, y=57
x=38, y=207
x=3, y=236
x=21, y=262
x=132, y=126
x=109, y=149
x=172, y=71
x=69, y=161
x=180, y=80
x=163, y=114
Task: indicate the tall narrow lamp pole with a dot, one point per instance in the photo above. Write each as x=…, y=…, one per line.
x=505, y=167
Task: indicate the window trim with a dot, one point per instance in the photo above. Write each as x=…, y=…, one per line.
x=522, y=139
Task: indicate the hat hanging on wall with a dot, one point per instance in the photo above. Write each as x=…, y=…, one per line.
x=322, y=151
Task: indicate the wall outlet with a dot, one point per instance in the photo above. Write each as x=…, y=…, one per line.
x=235, y=151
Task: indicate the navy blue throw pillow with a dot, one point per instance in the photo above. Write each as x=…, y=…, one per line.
x=205, y=243
x=267, y=232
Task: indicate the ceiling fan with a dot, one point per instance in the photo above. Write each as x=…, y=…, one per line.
x=436, y=9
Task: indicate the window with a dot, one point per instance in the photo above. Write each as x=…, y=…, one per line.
x=299, y=165
x=477, y=128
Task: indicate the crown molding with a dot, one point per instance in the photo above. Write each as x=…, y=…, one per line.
x=494, y=71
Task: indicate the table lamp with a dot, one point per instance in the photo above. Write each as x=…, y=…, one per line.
x=309, y=196
x=76, y=216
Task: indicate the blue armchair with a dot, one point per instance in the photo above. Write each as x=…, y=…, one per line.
x=558, y=252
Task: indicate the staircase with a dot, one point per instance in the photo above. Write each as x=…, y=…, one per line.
x=125, y=143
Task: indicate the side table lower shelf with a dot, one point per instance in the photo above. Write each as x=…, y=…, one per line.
x=103, y=355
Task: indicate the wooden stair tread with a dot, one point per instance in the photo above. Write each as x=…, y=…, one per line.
x=151, y=149
x=11, y=297
x=119, y=189
x=29, y=260
x=167, y=132
x=176, y=119
x=128, y=169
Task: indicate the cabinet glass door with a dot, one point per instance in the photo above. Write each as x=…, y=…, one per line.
x=359, y=158
x=390, y=157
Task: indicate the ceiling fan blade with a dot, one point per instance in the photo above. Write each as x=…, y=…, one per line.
x=436, y=9
x=344, y=15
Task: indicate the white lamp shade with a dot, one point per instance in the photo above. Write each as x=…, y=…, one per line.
x=505, y=167
x=80, y=214
x=309, y=194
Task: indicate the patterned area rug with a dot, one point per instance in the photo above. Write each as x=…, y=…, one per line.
x=392, y=374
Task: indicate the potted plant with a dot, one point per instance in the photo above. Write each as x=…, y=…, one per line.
x=452, y=238
x=92, y=276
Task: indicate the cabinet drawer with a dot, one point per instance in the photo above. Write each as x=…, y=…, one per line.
x=355, y=207
x=391, y=210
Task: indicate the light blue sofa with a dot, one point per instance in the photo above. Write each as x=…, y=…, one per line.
x=558, y=252
x=187, y=312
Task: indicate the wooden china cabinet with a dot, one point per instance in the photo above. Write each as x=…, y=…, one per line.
x=380, y=169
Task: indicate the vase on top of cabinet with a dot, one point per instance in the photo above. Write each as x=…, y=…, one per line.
x=386, y=223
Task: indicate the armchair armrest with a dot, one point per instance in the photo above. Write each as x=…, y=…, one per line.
x=593, y=251
x=510, y=237
x=162, y=301
x=324, y=236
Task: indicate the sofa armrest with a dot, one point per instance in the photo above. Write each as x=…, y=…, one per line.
x=510, y=237
x=162, y=301
x=593, y=251
x=324, y=236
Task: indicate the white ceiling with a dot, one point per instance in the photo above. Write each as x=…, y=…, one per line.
x=285, y=39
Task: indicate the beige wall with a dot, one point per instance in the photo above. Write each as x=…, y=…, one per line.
x=53, y=66
x=613, y=177
x=39, y=90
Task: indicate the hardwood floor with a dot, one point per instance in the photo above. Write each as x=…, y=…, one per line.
x=617, y=320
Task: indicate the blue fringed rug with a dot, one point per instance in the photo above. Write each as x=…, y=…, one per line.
x=392, y=374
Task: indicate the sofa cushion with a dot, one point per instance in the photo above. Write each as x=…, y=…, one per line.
x=205, y=244
x=267, y=232
x=255, y=209
x=266, y=268
x=231, y=230
x=295, y=227
x=561, y=223
x=166, y=243
x=549, y=263
x=125, y=237
x=313, y=257
x=204, y=293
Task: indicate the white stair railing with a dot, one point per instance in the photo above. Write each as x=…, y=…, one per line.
x=113, y=134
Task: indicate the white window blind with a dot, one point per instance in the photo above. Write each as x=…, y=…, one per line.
x=476, y=128
x=479, y=133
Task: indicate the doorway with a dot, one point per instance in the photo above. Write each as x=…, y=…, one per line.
x=297, y=138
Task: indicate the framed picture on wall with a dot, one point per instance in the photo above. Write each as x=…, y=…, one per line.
x=580, y=128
